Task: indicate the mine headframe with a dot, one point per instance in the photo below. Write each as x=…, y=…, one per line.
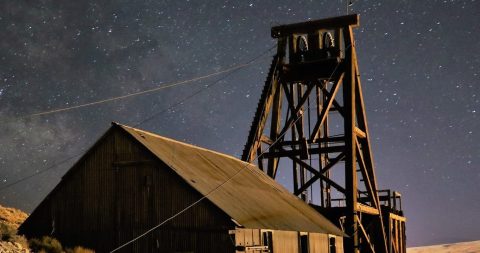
x=311, y=118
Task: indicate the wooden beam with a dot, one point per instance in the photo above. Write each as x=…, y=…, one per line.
x=312, y=26
x=263, y=107
x=263, y=117
x=333, y=139
x=332, y=162
x=316, y=173
x=362, y=123
x=266, y=140
x=259, y=161
x=325, y=169
x=336, y=105
x=364, y=234
x=295, y=110
x=288, y=153
x=360, y=133
x=274, y=128
x=372, y=192
x=326, y=108
x=322, y=69
x=367, y=209
x=352, y=244
x=397, y=217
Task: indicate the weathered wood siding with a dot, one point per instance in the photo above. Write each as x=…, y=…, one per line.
x=252, y=240
x=285, y=241
x=119, y=190
x=318, y=243
x=339, y=243
x=248, y=237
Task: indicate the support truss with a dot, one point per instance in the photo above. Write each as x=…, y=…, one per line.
x=311, y=114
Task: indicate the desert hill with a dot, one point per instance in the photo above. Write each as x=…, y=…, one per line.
x=10, y=220
x=462, y=247
x=11, y=216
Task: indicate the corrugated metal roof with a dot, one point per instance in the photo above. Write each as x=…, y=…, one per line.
x=250, y=197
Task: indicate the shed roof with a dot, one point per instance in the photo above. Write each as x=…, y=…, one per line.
x=240, y=189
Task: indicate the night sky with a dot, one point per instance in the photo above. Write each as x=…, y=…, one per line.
x=419, y=62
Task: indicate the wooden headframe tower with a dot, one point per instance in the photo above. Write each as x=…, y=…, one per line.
x=311, y=119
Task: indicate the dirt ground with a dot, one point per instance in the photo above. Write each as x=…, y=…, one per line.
x=463, y=247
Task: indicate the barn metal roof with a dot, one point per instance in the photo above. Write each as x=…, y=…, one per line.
x=240, y=189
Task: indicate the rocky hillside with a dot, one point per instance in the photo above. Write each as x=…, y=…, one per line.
x=10, y=220
x=12, y=216
x=463, y=247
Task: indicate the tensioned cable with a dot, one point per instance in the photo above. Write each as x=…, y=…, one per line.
x=39, y=172
x=182, y=100
x=214, y=189
x=206, y=87
x=169, y=85
x=141, y=122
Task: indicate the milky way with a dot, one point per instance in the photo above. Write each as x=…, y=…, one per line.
x=418, y=59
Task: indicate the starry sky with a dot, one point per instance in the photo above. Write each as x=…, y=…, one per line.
x=418, y=61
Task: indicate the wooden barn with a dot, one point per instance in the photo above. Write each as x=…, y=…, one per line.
x=132, y=180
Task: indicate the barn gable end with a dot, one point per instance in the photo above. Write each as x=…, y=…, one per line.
x=117, y=191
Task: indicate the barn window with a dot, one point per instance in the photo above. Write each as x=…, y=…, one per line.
x=268, y=240
x=332, y=247
x=303, y=243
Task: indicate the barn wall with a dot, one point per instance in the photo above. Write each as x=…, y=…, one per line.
x=339, y=244
x=37, y=220
x=285, y=241
x=120, y=190
x=318, y=243
x=82, y=208
x=251, y=241
x=248, y=238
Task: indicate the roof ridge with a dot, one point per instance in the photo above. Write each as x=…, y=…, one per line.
x=182, y=143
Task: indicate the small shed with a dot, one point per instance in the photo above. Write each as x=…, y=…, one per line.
x=132, y=180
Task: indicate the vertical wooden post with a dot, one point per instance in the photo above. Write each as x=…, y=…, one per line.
x=389, y=237
x=301, y=137
x=293, y=133
x=275, y=125
x=320, y=98
x=325, y=157
x=351, y=225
